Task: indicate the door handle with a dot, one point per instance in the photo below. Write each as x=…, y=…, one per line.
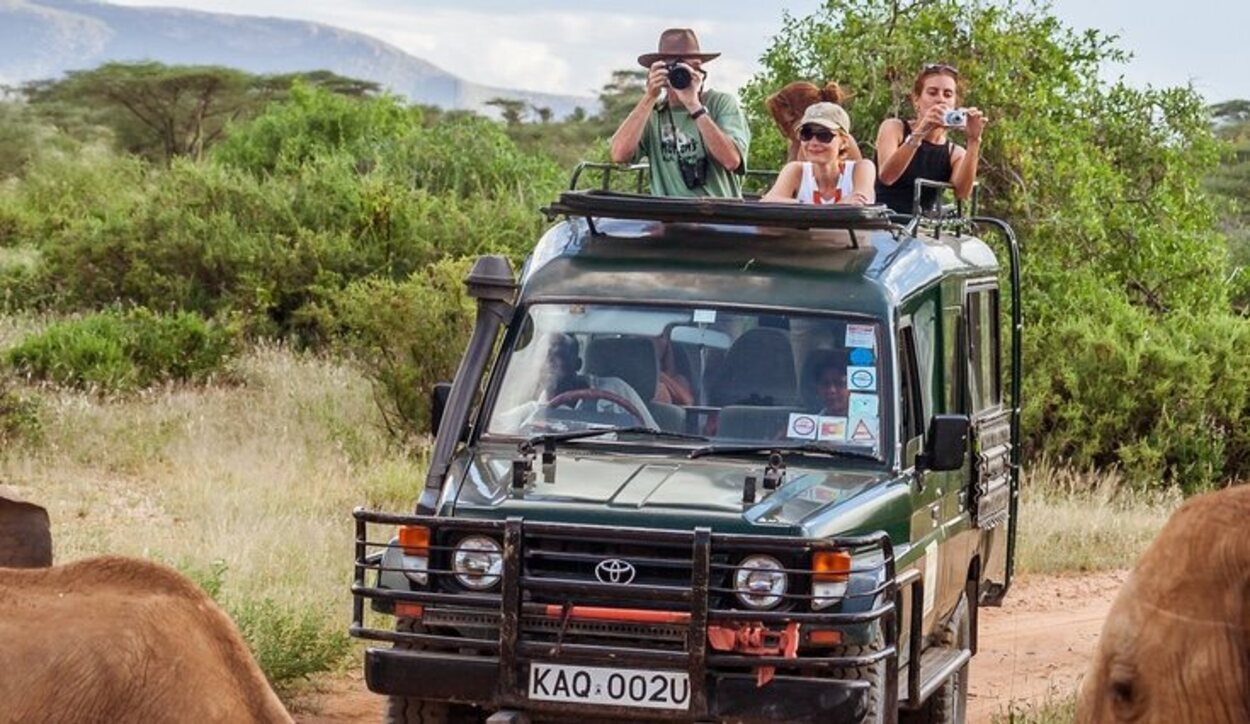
x=935, y=512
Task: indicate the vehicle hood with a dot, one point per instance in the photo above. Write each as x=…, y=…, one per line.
x=654, y=490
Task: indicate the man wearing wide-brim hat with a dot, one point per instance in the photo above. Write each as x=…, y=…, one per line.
x=695, y=140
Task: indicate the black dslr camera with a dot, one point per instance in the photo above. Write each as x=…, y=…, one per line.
x=678, y=75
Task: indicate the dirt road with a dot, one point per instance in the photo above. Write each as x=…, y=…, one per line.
x=1032, y=649
x=1036, y=647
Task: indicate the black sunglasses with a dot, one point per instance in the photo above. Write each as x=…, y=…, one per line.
x=807, y=133
x=941, y=68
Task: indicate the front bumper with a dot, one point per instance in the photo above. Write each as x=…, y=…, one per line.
x=734, y=697
x=489, y=666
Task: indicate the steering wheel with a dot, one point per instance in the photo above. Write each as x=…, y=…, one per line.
x=591, y=393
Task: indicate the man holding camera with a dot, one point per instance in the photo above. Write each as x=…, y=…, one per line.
x=695, y=140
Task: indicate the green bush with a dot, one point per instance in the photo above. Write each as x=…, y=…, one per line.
x=408, y=335
x=116, y=351
x=289, y=645
x=315, y=195
x=1165, y=398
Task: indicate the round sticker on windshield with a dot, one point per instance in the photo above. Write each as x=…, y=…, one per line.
x=801, y=426
x=861, y=357
x=861, y=379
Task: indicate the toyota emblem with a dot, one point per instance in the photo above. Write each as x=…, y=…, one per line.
x=615, y=570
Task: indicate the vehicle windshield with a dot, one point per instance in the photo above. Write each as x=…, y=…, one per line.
x=736, y=377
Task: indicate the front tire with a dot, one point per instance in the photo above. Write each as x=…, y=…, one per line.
x=949, y=704
x=407, y=710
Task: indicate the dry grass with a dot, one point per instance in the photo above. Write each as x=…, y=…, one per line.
x=1072, y=520
x=1057, y=711
x=261, y=476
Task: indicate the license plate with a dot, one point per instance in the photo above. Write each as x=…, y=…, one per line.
x=615, y=687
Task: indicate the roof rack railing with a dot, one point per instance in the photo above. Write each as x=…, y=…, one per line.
x=641, y=173
x=595, y=204
x=950, y=216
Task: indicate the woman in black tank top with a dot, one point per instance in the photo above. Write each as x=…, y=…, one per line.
x=906, y=152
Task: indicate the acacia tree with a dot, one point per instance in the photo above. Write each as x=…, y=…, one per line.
x=164, y=112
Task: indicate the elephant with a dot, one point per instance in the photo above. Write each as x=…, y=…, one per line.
x=114, y=639
x=1176, y=644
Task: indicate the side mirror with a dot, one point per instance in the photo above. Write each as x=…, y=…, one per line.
x=946, y=444
x=438, y=403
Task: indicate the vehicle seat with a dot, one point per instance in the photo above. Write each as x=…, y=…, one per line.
x=633, y=360
x=758, y=370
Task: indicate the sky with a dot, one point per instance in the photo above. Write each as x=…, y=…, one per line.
x=572, y=46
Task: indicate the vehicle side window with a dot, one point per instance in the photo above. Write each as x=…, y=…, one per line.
x=910, y=407
x=924, y=328
x=984, y=385
x=952, y=346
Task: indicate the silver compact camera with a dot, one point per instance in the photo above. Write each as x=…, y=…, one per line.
x=955, y=118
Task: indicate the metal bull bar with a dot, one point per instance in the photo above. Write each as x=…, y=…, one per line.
x=535, y=615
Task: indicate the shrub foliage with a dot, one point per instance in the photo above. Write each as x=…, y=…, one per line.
x=116, y=351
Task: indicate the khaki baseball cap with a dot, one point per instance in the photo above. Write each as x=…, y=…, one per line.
x=830, y=115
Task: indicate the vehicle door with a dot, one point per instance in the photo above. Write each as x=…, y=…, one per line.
x=989, y=484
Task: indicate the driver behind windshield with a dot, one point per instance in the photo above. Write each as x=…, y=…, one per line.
x=560, y=385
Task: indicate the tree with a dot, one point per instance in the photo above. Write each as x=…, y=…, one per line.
x=511, y=109
x=544, y=113
x=619, y=96
x=1231, y=182
x=164, y=112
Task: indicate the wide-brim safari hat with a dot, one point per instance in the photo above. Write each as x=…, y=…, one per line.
x=675, y=44
x=827, y=115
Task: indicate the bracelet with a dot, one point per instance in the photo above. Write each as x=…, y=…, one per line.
x=698, y=113
x=917, y=140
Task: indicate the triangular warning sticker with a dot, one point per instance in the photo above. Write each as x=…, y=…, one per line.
x=862, y=433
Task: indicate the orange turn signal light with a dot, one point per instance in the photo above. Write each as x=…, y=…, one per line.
x=825, y=637
x=407, y=609
x=414, y=540
x=831, y=566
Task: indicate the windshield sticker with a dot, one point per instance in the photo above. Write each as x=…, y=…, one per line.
x=832, y=429
x=704, y=316
x=861, y=335
x=861, y=357
x=863, y=430
x=862, y=379
x=862, y=405
x=802, y=427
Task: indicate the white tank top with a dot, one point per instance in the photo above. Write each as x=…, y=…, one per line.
x=809, y=190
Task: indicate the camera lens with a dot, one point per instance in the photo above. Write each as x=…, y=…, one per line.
x=678, y=76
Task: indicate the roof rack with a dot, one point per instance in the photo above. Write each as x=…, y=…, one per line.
x=735, y=212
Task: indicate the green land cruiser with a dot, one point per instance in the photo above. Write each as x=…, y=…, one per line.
x=708, y=460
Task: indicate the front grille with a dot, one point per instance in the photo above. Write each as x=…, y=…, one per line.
x=576, y=559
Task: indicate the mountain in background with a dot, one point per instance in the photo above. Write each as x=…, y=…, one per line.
x=44, y=38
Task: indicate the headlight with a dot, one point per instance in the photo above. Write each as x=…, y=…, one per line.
x=477, y=562
x=760, y=582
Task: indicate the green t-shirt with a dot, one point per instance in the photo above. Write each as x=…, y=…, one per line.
x=664, y=141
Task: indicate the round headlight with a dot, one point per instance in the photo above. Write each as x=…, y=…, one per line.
x=760, y=582
x=477, y=562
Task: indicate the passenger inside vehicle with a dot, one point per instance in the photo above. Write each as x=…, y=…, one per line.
x=561, y=385
x=826, y=379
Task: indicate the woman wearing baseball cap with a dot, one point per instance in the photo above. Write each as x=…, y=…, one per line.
x=827, y=176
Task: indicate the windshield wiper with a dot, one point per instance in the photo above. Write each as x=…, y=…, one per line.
x=820, y=448
x=548, y=438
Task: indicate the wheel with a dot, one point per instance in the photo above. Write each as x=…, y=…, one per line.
x=407, y=710
x=949, y=704
x=874, y=674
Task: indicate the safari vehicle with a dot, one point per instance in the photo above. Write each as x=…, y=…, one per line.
x=641, y=505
